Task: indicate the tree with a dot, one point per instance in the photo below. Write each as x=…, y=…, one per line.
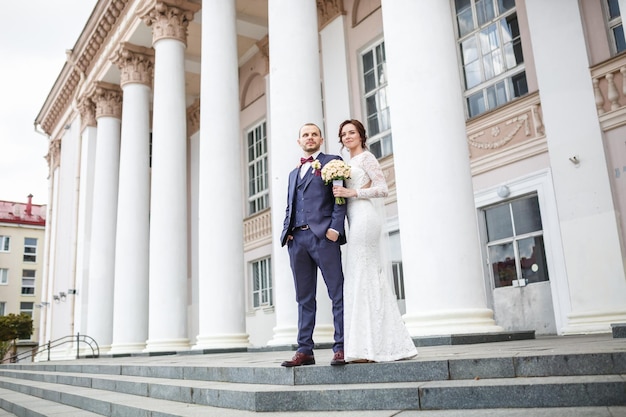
x=13, y=327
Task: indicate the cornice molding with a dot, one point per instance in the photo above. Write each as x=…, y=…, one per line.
x=101, y=23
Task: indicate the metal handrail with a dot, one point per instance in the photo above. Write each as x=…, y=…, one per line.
x=78, y=338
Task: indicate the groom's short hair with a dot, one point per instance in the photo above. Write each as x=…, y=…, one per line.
x=310, y=124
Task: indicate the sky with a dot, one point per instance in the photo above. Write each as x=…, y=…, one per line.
x=34, y=36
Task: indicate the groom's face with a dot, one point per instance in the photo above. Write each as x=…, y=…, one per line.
x=310, y=139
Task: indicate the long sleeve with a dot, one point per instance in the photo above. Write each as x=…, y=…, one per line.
x=378, y=185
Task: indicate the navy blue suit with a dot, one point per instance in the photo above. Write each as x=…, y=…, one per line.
x=311, y=203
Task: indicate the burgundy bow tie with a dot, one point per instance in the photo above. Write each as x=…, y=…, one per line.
x=305, y=160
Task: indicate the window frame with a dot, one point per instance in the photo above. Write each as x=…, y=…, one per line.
x=381, y=143
x=612, y=23
x=506, y=78
x=29, y=254
x=514, y=240
x=260, y=200
x=5, y=242
x=262, y=295
x=28, y=290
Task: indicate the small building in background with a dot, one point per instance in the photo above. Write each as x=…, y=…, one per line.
x=22, y=231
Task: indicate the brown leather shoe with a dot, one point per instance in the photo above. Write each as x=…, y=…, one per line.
x=338, y=359
x=300, y=359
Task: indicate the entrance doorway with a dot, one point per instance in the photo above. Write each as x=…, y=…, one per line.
x=518, y=271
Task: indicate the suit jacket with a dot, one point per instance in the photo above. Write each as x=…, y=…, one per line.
x=319, y=203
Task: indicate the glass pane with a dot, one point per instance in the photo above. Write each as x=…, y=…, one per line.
x=620, y=43
x=469, y=50
x=461, y=5
x=499, y=225
x=504, y=5
x=465, y=22
x=526, y=215
x=492, y=101
x=489, y=39
x=533, y=259
x=385, y=123
x=520, y=87
x=369, y=79
x=484, y=11
x=613, y=8
x=510, y=28
x=509, y=56
x=501, y=93
x=30, y=241
x=476, y=104
x=375, y=149
x=502, y=260
x=473, y=76
x=368, y=62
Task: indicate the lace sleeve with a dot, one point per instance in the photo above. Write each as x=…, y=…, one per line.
x=378, y=184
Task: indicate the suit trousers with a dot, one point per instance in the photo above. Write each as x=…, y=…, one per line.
x=307, y=253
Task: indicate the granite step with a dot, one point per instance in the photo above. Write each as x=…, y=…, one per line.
x=562, y=391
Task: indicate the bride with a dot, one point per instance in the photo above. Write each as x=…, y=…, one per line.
x=373, y=328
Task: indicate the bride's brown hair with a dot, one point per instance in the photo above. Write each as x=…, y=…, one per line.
x=359, y=127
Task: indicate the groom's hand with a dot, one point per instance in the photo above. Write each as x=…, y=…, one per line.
x=332, y=235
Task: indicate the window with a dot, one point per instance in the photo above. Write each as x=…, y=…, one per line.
x=262, y=283
x=30, y=249
x=28, y=282
x=515, y=247
x=395, y=253
x=616, y=30
x=27, y=308
x=4, y=276
x=490, y=48
x=3, y=308
x=378, y=123
x=5, y=243
x=258, y=190
x=398, y=279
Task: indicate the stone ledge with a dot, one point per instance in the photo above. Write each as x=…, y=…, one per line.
x=619, y=330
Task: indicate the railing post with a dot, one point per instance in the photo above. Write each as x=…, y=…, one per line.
x=77, y=345
x=48, y=351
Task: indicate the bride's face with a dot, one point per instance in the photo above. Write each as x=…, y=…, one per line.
x=350, y=137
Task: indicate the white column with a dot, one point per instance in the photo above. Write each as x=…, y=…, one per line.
x=85, y=205
x=108, y=99
x=295, y=99
x=335, y=67
x=587, y=215
x=439, y=233
x=168, y=204
x=220, y=236
x=131, y=248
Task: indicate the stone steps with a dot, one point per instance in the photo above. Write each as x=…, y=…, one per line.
x=546, y=380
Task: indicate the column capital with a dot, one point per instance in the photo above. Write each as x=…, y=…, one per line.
x=327, y=10
x=169, y=18
x=136, y=64
x=107, y=98
x=54, y=155
x=87, y=109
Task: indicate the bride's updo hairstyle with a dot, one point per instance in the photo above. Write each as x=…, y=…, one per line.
x=359, y=127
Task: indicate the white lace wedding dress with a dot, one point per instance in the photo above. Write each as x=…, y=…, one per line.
x=373, y=326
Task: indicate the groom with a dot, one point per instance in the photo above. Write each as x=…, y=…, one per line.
x=313, y=232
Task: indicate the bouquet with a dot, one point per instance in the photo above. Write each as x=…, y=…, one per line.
x=336, y=171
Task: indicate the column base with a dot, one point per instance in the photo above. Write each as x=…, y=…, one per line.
x=233, y=340
x=122, y=348
x=287, y=335
x=166, y=345
x=447, y=322
x=593, y=321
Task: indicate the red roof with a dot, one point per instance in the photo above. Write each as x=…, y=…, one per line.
x=22, y=213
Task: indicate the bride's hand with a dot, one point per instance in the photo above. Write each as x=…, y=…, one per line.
x=339, y=191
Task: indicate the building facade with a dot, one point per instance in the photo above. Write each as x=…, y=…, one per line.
x=22, y=267
x=173, y=125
